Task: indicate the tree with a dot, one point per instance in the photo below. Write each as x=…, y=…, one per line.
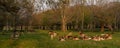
x=13, y=7
x=62, y=5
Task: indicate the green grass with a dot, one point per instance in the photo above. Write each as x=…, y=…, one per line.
x=41, y=39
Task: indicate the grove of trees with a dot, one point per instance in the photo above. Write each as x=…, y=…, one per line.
x=85, y=15
x=79, y=15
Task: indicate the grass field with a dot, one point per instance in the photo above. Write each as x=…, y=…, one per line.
x=41, y=39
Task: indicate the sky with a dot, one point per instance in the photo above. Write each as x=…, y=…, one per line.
x=40, y=5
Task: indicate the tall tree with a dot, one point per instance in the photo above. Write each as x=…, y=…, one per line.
x=13, y=7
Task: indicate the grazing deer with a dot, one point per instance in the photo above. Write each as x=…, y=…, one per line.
x=52, y=34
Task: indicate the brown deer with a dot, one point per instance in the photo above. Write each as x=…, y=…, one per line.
x=69, y=36
x=62, y=38
x=52, y=34
x=96, y=38
x=76, y=38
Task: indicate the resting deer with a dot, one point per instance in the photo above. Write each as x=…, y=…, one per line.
x=108, y=36
x=76, y=38
x=96, y=38
x=62, y=38
x=69, y=36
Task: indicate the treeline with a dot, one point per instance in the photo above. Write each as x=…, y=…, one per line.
x=101, y=16
x=62, y=15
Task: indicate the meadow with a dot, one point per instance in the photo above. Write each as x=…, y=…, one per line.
x=41, y=39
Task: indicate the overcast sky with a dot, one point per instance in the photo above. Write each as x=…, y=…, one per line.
x=41, y=5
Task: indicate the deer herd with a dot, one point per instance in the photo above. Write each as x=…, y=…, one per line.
x=80, y=36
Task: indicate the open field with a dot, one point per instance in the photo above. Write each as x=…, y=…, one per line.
x=41, y=39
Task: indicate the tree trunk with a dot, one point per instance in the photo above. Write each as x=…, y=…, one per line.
x=82, y=27
x=91, y=27
x=15, y=26
x=110, y=27
x=76, y=27
x=102, y=27
x=68, y=27
x=63, y=24
x=72, y=27
x=88, y=26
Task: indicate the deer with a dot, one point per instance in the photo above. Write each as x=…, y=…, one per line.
x=62, y=38
x=69, y=36
x=76, y=38
x=52, y=34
